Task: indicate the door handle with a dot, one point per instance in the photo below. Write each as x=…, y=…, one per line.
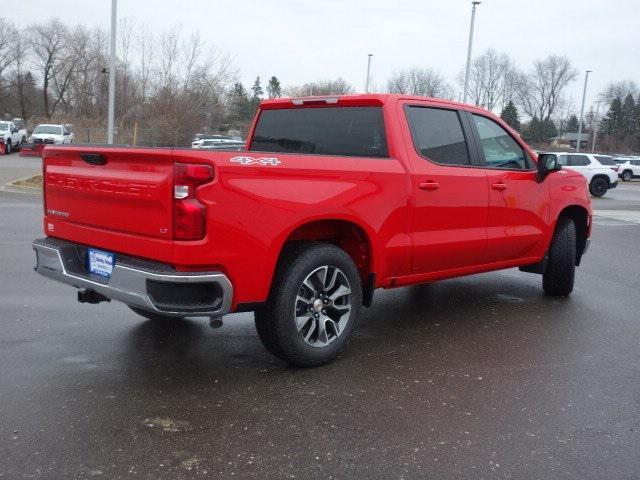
x=430, y=186
x=93, y=158
x=500, y=186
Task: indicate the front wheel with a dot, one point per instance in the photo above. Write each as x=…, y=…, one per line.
x=313, y=306
x=7, y=147
x=558, y=278
x=599, y=186
x=627, y=176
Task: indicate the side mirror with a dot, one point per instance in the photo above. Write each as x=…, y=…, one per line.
x=547, y=163
x=15, y=130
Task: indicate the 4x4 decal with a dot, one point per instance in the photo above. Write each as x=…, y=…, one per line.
x=265, y=161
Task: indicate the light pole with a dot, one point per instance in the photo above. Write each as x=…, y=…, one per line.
x=366, y=89
x=595, y=128
x=112, y=74
x=466, y=73
x=584, y=94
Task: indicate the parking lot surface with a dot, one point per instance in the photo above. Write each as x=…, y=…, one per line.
x=479, y=377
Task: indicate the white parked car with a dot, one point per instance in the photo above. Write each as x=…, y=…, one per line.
x=52, y=134
x=629, y=168
x=600, y=171
x=13, y=136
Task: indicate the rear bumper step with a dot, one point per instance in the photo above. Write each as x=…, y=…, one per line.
x=148, y=285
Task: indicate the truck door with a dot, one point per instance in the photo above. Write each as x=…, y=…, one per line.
x=519, y=204
x=450, y=192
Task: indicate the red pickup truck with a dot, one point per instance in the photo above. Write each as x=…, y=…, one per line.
x=332, y=198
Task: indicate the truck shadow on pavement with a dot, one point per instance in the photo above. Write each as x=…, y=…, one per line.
x=494, y=313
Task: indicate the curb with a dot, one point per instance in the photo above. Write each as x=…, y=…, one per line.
x=12, y=188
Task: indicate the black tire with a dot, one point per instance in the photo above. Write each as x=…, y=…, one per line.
x=276, y=322
x=7, y=147
x=598, y=186
x=23, y=141
x=558, y=278
x=153, y=315
x=627, y=176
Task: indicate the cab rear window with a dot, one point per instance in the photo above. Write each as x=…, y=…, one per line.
x=344, y=131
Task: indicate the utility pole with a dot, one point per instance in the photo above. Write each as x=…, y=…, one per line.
x=466, y=73
x=368, y=83
x=112, y=74
x=595, y=128
x=584, y=94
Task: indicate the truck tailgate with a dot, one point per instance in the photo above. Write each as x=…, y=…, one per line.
x=126, y=190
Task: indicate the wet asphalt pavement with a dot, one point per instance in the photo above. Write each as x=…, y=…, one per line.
x=474, y=378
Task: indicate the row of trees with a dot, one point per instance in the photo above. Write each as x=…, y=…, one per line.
x=620, y=128
x=170, y=85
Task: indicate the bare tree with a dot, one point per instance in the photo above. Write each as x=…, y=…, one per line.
x=541, y=91
x=146, y=56
x=490, y=80
x=338, y=86
x=419, y=81
x=619, y=89
x=9, y=45
x=49, y=47
x=169, y=56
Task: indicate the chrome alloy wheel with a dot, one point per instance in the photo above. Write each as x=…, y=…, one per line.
x=323, y=306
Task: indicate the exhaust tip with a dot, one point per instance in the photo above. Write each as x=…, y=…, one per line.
x=86, y=295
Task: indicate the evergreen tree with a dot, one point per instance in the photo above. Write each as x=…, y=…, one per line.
x=540, y=131
x=572, y=124
x=240, y=106
x=510, y=116
x=273, y=88
x=627, y=118
x=257, y=89
x=611, y=123
x=257, y=94
x=637, y=125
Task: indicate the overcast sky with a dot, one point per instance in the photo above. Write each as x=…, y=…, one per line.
x=299, y=40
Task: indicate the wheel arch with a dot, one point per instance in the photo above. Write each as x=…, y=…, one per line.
x=582, y=221
x=354, y=238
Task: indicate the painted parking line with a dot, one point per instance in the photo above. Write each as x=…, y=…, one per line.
x=612, y=217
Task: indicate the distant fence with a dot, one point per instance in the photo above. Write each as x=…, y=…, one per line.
x=131, y=136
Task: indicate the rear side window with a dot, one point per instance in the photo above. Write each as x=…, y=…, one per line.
x=437, y=135
x=499, y=148
x=345, y=131
x=578, y=161
x=604, y=160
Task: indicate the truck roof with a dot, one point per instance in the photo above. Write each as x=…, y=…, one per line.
x=367, y=99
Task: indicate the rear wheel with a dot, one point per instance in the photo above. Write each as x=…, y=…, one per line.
x=153, y=315
x=313, y=306
x=7, y=147
x=558, y=278
x=627, y=176
x=599, y=186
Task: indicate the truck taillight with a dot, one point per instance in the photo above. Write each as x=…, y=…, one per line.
x=189, y=214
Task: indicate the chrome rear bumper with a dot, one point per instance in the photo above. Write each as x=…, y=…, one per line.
x=139, y=283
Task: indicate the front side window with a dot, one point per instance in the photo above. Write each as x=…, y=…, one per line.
x=438, y=135
x=578, y=161
x=499, y=148
x=344, y=131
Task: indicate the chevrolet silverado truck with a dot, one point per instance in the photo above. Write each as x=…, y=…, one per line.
x=333, y=198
